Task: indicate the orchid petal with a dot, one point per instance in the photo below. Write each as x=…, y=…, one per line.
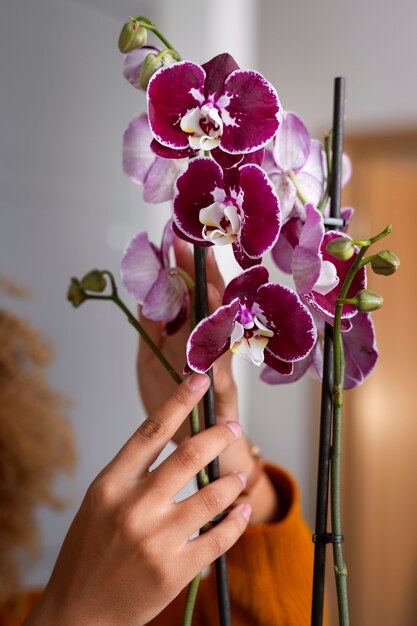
x=282, y=254
x=211, y=337
x=168, y=237
x=284, y=368
x=286, y=192
x=312, y=232
x=160, y=181
x=172, y=91
x=139, y=267
x=195, y=188
x=272, y=377
x=243, y=259
x=166, y=297
x=261, y=214
x=314, y=166
x=360, y=350
x=137, y=155
x=172, y=327
x=328, y=278
x=346, y=169
x=170, y=153
x=250, y=110
x=292, y=144
x=246, y=285
x=283, y=312
x=217, y=70
x=305, y=266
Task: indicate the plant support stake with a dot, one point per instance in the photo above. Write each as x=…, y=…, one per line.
x=321, y=537
x=202, y=311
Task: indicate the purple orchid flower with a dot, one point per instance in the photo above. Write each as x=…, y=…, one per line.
x=295, y=159
x=360, y=353
x=236, y=206
x=147, y=276
x=193, y=107
x=133, y=64
x=260, y=321
x=156, y=174
x=301, y=250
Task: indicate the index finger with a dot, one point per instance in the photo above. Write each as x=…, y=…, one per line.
x=148, y=441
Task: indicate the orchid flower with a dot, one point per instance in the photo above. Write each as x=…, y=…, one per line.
x=236, y=206
x=295, y=164
x=360, y=354
x=193, y=107
x=156, y=174
x=147, y=276
x=301, y=250
x=260, y=321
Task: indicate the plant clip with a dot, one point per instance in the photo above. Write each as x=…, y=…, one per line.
x=328, y=538
x=337, y=222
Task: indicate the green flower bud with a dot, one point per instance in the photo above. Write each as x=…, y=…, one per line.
x=151, y=64
x=368, y=300
x=132, y=36
x=340, y=248
x=75, y=294
x=385, y=263
x=93, y=281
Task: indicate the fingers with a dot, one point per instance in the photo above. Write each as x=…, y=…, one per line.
x=192, y=455
x=209, y=546
x=142, y=449
x=194, y=512
x=184, y=256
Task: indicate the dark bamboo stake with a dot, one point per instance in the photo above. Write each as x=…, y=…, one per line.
x=321, y=537
x=202, y=311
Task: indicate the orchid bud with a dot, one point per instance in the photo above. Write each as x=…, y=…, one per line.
x=340, y=248
x=385, y=263
x=367, y=300
x=75, y=294
x=152, y=64
x=132, y=36
x=93, y=281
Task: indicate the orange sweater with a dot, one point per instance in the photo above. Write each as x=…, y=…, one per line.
x=270, y=573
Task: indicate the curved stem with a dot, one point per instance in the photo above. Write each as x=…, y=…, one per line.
x=190, y=601
x=338, y=365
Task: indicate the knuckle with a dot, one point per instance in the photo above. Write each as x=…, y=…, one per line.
x=152, y=429
x=188, y=456
x=210, y=500
x=100, y=494
x=181, y=397
x=217, y=544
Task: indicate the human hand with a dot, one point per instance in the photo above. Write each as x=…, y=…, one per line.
x=155, y=385
x=128, y=553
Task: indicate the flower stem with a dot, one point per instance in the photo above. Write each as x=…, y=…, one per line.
x=327, y=149
x=190, y=601
x=338, y=366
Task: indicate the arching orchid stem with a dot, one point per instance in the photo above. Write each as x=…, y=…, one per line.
x=327, y=150
x=151, y=26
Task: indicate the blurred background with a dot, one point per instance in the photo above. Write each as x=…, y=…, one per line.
x=66, y=207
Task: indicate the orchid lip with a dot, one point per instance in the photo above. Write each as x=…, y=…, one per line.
x=221, y=223
x=250, y=339
x=204, y=125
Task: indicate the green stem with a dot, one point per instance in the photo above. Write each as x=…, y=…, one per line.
x=327, y=149
x=338, y=365
x=157, y=32
x=190, y=601
x=293, y=179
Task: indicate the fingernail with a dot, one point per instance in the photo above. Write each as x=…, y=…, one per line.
x=198, y=382
x=242, y=477
x=235, y=427
x=246, y=510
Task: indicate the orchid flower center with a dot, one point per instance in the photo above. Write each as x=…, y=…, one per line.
x=249, y=337
x=221, y=223
x=204, y=125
